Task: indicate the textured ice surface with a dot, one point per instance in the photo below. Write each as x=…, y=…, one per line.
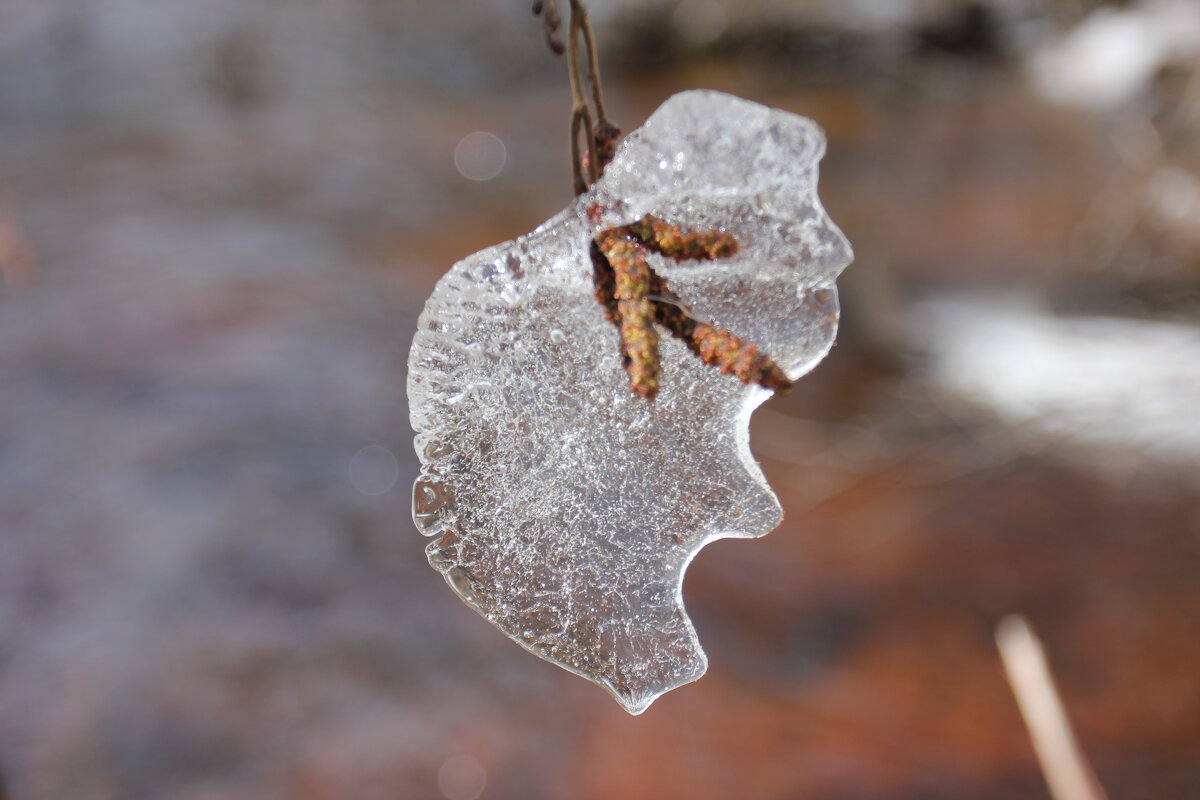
x=566, y=509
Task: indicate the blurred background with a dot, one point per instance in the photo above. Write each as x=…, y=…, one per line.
x=219, y=221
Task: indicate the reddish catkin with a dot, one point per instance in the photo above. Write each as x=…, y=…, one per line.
x=606, y=293
x=674, y=242
x=734, y=356
x=715, y=347
x=639, y=339
x=606, y=284
x=635, y=297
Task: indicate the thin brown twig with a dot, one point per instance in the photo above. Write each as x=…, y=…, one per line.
x=579, y=101
x=580, y=123
x=578, y=7
x=601, y=138
x=580, y=114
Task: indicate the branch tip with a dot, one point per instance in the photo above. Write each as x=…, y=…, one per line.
x=635, y=298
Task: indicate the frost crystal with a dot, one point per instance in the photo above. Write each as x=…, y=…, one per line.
x=565, y=508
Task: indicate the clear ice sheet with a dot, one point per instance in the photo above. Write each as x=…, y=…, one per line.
x=565, y=509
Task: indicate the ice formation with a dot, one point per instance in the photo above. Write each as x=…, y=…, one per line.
x=565, y=508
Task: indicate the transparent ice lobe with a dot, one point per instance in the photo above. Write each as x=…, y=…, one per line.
x=564, y=508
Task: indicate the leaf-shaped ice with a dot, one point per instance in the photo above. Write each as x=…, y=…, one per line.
x=565, y=508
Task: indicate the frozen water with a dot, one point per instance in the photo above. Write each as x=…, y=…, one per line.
x=565, y=508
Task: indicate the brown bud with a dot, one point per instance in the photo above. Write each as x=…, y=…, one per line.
x=606, y=137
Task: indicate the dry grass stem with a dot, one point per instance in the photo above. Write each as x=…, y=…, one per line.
x=1067, y=771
